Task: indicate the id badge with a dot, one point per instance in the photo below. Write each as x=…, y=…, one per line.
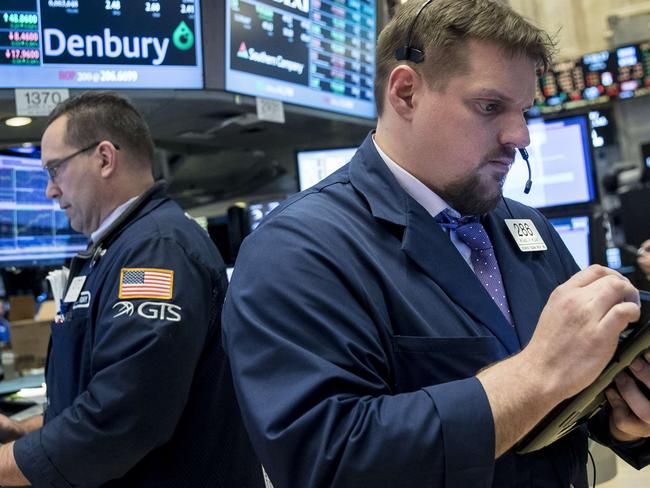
x=526, y=235
x=75, y=289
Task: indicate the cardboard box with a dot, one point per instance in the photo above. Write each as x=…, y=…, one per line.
x=29, y=341
x=21, y=307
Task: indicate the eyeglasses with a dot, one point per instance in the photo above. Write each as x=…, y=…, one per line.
x=54, y=165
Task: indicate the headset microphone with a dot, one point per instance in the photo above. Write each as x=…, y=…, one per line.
x=529, y=182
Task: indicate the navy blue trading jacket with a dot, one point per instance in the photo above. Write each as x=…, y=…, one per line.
x=355, y=330
x=139, y=389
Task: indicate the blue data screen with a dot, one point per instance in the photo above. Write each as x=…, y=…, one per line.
x=33, y=229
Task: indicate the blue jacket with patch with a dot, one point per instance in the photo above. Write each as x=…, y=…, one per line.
x=139, y=390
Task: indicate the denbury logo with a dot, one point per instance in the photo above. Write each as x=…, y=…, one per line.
x=183, y=37
x=56, y=43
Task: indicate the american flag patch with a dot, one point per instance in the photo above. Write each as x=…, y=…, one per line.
x=146, y=283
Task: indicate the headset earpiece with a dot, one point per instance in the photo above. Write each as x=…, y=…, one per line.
x=408, y=52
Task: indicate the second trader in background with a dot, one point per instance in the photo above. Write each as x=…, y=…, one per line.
x=139, y=389
x=384, y=327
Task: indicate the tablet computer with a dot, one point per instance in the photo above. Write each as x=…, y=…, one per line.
x=580, y=408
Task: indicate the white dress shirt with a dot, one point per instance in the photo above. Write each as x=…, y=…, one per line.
x=426, y=197
x=112, y=217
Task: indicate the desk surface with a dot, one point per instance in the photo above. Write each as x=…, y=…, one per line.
x=27, y=381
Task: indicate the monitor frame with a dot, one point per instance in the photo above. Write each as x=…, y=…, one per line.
x=597, y=244
x=98, y=70
x=214, y=47
x=588, y=153
x=298, y=151
x=49, y=259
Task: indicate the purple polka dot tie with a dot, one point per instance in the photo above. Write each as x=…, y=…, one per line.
x=471, y=232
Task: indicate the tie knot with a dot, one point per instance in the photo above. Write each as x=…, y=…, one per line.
x=468, y=229
x=451, y=222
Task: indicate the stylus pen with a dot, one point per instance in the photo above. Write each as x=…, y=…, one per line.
x=635, y=250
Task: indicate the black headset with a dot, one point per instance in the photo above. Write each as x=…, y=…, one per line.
x=408, y=52
x=415, y=55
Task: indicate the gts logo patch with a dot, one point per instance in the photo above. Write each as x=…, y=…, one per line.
x=149, y=310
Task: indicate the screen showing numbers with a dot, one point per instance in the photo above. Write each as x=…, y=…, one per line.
x=316, y=53
x=100, y=44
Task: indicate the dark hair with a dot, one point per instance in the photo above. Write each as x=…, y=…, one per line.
x=442, y=31
x=106, y=115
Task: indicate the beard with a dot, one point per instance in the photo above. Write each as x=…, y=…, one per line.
x=475, y=194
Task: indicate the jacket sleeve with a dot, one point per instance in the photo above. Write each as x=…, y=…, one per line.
x=313, y=376
x=142, y=367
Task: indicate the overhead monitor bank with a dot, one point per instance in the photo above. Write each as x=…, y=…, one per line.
x=100, y=44
x=315, y=53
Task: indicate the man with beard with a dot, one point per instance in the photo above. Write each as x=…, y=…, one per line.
x=384, y=327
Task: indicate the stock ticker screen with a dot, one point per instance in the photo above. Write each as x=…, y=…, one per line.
x=580, y=82
x=595, y=78
x=100, y=44
x=634, y=69
x=33, y=230
x=316, y=53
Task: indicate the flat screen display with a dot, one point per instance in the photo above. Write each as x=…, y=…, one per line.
x=578, y=82
x=313, y=166
x=595, y=78
x=603, y=128
x=561, y=166
x=574, y=232
x=318, y=53
x=100, y=44
x=33, y=229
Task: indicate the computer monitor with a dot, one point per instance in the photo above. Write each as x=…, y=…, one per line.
x=575, y=233
x=255, y=212
x=318, y=54
x=561, y=165
x=33, y=229
x=100, y=44
x=315, y=165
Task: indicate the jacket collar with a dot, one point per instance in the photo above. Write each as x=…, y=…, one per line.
x=370, y=175
x=149, y=199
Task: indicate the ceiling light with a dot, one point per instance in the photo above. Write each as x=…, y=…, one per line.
x=18, y=121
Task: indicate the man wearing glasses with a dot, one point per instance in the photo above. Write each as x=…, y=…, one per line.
x=135, y=359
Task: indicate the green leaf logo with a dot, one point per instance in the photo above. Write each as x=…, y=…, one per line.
x=183, y=37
